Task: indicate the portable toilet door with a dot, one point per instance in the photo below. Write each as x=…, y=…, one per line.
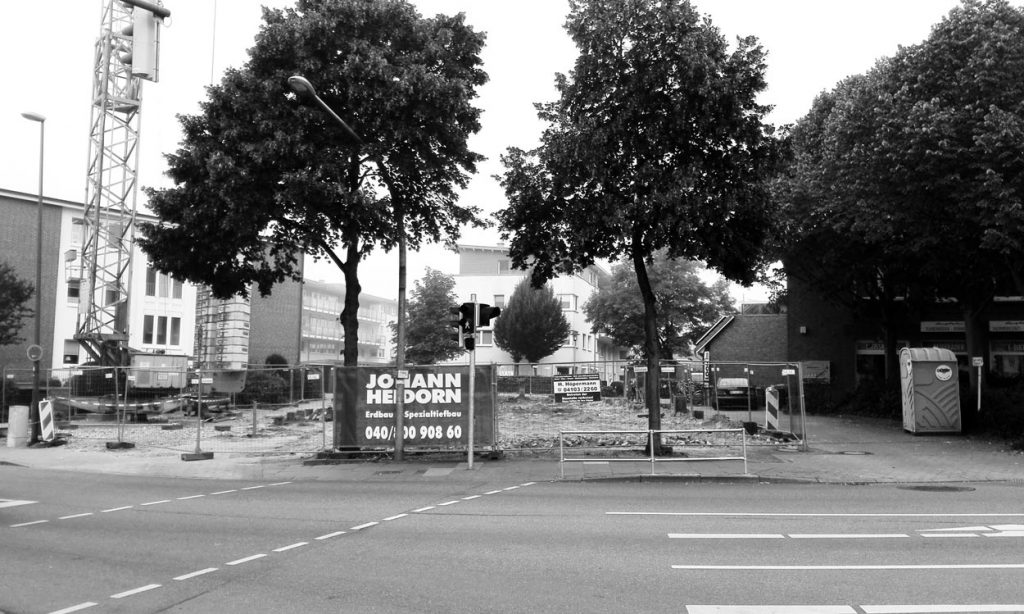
x=931, y=390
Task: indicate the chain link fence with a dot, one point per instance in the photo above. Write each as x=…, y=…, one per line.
x=284, y=409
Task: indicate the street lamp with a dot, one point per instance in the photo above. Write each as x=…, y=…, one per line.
x=34, y=411
x=301, y=86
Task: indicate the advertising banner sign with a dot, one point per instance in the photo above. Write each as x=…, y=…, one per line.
x=435, y=407
x=580, y=387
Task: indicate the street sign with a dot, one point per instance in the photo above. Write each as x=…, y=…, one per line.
x=789, y=371
x=35, y=352
x=977, y=361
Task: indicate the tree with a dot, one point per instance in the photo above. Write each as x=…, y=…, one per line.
x=686, y=306
x=14, y=294
x=262, y=177
x=532, y=325
x=427, y=338
x=656, y=143
x=908, y=182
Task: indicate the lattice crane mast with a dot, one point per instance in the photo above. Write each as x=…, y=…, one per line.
x=127, y=52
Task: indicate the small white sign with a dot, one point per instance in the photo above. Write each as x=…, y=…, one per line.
x=789, y=371
x=977, y=361
x=639, y=369
x=313, y=376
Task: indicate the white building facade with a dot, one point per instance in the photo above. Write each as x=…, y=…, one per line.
x=486, y=276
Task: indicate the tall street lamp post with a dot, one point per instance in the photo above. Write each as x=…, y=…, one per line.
x=301, y=86
x=34, y=410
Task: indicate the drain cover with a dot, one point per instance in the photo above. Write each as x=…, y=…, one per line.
x=937, y=488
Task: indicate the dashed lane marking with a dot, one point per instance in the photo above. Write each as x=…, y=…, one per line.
x=135, y=591
x=28, y=524
x=447, y=503
x=194, y=574
x=365, y=525
x=424, y=509
x=75, y=516
x=76, y=608
x=224, y=492
x=291, y=546
x=328, y=536
x=117, y=509
x=157, y=502
x=395, y=517
x=246, y=559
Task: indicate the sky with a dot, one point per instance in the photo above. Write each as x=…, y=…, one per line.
x=47, y=49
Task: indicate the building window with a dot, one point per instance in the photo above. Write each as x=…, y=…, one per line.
x=77, y=231
x=568, y=302
x=150, y=282
x=161, y=330
x=176, y=287
x=175, y=331
x=147, y=329
x=485, y=337
x=504, y=266
x=499, y=300
x=74, y=291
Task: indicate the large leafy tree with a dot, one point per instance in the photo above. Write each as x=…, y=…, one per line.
x=14, y=295
x=687, y=306
x=427, y=339
x=262, y=176
x=531, y=326
x=907, y=181
x=656, y=143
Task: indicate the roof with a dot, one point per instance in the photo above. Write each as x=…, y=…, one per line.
x=713, y=332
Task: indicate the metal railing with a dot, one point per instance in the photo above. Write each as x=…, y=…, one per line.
x=652, y=457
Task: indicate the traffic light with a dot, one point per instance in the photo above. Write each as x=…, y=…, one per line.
x=486, y=313
x=144, y=35
x=468, y=312
x=455, y=324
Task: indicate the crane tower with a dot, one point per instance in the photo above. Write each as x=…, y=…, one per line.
x=126, y=52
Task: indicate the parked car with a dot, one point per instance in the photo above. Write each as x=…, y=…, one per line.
x=734, y=393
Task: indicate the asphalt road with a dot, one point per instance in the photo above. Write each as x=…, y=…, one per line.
x=102, y=543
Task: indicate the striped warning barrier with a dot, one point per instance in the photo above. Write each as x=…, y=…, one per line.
x=771, y=414
x=46, y=419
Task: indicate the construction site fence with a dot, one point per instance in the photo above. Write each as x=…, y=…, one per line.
x=680, y=445
x=290, y=409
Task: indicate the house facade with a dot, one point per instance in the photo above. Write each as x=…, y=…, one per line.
x=486, y=276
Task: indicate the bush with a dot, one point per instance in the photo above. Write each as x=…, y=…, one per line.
x=613, y=389
x=263, y=387
x=873, y=398
x=1002, y=409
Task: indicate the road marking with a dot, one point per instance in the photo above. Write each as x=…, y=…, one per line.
x=784, y=536
x=847, y=567
x=424, y=509
x=156, y=502
x=364, y=526
x=190, y=497
x=769, y=609
x=196, y=573
x=75, y=516
x=948, y=535
x=254, y=487
x=291, y=546
x=14, y=502
x=246, y=559
x=510, y=488
x=447, y=503
x=26, y=524
x=493, y=492
x=937, y=609
x=224, y=492
x=135, y=591
x=726, y=536
x=528, y=484
x=395, y=517
x=278, y=483
x=847, y=535
x=813, y=515
x=75, y=608
x=117, y=509
x=471, y=497
x=329, y=535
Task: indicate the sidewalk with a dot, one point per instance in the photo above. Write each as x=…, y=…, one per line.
x=841, y=450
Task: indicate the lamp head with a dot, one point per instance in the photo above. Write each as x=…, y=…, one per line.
x=301, y=86
x=36, y=117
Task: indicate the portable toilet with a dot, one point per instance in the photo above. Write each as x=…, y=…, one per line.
x=931, y=390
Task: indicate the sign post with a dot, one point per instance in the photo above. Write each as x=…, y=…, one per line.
x=979, y=362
